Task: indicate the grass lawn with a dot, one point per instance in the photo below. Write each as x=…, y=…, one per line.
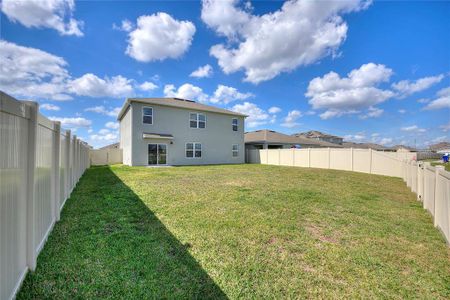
x=241, y=231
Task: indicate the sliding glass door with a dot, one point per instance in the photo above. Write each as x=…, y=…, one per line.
x=157, y=154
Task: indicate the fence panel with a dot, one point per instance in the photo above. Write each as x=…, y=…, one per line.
x=33, y=177
x=429, y=182
x=341, y=159
x=13, y=174
x=442, y=202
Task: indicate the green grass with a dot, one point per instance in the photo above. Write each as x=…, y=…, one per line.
x=438, y=162
x=241, y=231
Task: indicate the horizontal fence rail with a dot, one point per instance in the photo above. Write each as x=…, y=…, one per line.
x=431, y=184
x=39, y=167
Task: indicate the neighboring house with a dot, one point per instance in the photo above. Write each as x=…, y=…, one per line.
x=270, y=139
x=112, y=146
x=320, y=136
x=402, y=148
x=364, y=146
x=443, y=147
x=172, y=131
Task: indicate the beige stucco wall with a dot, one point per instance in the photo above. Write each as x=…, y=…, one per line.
x=216, y=139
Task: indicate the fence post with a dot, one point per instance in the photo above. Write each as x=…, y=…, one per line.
x=309, y=157
x=56, y=175
x=32, y=139
x=351, y=159
x=67, y=168
x=437, y=187
x=370, y=161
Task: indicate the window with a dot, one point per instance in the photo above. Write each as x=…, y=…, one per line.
x=147, y=115
x=197, y=120
x=193, y=150
x=234, y=124
x=235, y=150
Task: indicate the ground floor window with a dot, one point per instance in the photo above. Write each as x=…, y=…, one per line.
x=193, y=150
x=235, y=150
x=157, y=154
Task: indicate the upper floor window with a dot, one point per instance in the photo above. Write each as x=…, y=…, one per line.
x=197, y=120
x=147, y=115
x=234, y=124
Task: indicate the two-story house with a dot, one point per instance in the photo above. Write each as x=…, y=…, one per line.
x=172, y=131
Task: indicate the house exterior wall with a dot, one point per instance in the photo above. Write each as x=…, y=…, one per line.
x=125, y=136
x=216, y=139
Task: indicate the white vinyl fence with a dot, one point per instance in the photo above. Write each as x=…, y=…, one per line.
x=108, y=156
x=39, y=167
x=431, y=184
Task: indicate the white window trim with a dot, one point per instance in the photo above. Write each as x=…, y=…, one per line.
x=193, y=149
x=237, y=125
x=233, y=151
x=143, y=115
x=198, y=120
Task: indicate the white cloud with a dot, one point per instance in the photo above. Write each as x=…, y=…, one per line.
x=385, y=141
x=226, y=94
x=413, y=128
x=407, y=87
x=148, y=86
x=274, y=110
x=49, y=106
x=348, y=95
x=126, y=26
x=186, y=91
x=159, y=36
x=73, y=123
x=104, y=111
x=373, y=112
x=256, y=116
x=402, y=111
x=290, y=120
x=300, y=33
x=55, y=14
x=112, y=125
x=92, y=86
x=442, y=100
x=32, y=73
x=107, y=137
x=201, y=72
x=445, y=127
x=359, y=137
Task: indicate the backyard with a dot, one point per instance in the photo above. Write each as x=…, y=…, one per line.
x=240, y=231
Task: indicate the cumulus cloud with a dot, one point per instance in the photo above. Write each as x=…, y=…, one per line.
x=49, y=106
x=185, y=91
x=445, y=127
x=407, y=87
x=29, y=72
x=54, y=14
x=148, y=86
x=402, y=111
x=226, y=94
x=256, y=115
x=113, y=112
x=126, y=26
x=93, y=86
x=442, y=100
x=413, y=128
x=373, y=112
x=359, y=137
x=274, y=110
x=385, y=141
x=201, y=72
x=112, y=125
x=290, y=120
x=159, y=36
x=300, y=33
x=348, y=95
x=73, y=123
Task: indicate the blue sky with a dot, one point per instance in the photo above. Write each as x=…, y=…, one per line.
x=369, y=71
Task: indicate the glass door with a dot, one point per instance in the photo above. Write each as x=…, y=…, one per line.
x=157, y=154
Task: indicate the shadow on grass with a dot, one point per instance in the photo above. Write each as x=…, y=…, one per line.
x=108, y=244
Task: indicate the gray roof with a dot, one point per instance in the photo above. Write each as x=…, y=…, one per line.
x=274, y=137
x=316, y=134
x=177, y=102
x=363, y=146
